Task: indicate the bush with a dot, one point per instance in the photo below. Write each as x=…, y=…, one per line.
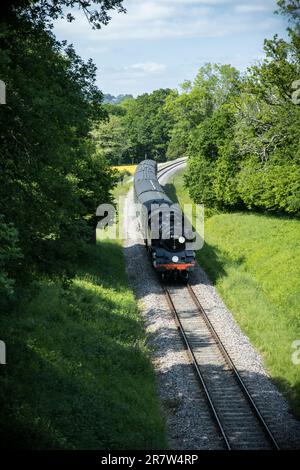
x=275, y=187
x=10, y=257
x=199, y=180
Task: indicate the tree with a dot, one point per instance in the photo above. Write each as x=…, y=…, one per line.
x=196, y=102
x=290, y=8
x=267, y=125
x=213, y=154
x=179, y=140
x=10, y=258
x=244, y=151
x=148, y=125
x=47, y=11
x=111, y=139
x=52, y=178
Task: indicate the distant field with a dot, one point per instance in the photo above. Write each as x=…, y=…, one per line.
x=254, y=262
x=129, y=168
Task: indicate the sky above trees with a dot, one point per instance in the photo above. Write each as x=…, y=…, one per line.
x=160, y=43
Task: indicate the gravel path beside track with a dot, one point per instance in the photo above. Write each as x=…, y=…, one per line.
x=189, y=422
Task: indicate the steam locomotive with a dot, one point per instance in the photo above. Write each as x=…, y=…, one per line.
x=165, y=230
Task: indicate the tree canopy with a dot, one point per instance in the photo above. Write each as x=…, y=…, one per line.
x=44, y=12
x=138, y=128
x=245, y=153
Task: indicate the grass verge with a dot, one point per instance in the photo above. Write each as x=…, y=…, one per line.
x=78, y=374
x=254, y=261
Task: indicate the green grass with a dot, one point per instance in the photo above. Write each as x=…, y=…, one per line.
x=78, y=372
x=122, y=188
x=254, y=262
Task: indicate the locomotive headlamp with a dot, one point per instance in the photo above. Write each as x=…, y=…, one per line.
x=175, y=259
x=181, y=239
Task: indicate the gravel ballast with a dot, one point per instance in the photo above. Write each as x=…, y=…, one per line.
x=188, y=419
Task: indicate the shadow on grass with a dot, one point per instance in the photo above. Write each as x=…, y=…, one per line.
x=171, y=191
x=214, y=262
x=89, y=408
x=292, y=394
x=104, y=265
x=78, y=375
x=209, y=257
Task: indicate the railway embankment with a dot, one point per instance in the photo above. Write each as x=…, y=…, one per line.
x=78, y=373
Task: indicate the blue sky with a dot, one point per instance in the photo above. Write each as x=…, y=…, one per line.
x=161, y=43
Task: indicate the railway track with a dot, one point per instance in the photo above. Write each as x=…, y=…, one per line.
x=162, y=171
x=238, y=419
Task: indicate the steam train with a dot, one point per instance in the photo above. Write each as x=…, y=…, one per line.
x=164, y=227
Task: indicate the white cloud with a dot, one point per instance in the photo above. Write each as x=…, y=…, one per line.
x=158, y=19
x=155, y=19
x=133, y=49
x=148, y=67
x=255, y=7
x=134, y=71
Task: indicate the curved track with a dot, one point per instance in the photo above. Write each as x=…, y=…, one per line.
x=165, y=169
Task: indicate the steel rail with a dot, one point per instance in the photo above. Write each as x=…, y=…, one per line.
x=161, y=172
x=229, y=362
x=198, y=371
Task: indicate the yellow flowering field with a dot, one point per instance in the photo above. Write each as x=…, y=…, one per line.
x=130, y=168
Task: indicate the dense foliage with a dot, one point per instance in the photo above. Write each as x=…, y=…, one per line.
x=52, y=177
x=138, y=128
x=246, y=153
